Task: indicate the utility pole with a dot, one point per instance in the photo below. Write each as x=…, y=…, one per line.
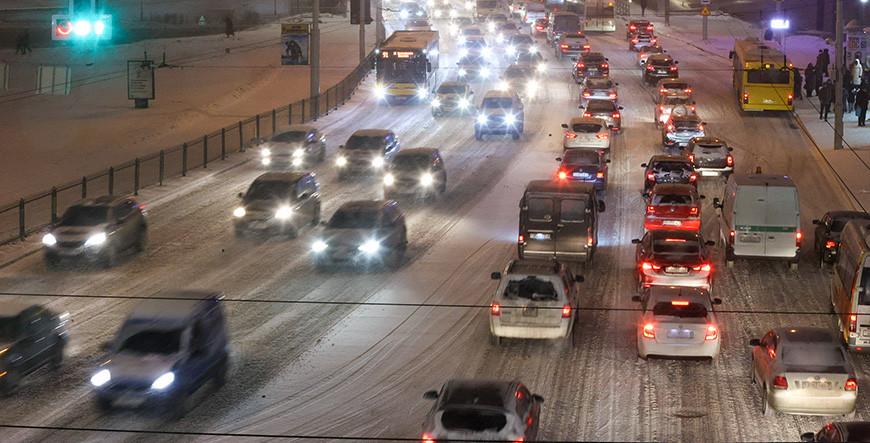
x=362, y=30
x=315, y=57
x=839, y=59
x=668, y=13
x=380, y=32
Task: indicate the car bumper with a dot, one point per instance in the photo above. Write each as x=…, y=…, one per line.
x=496, y=129
x=559, y=255
x=122, y=397
x=713, y=172
x=76, y=253
x=268, y=225
x=650, y=347
x=675, y=224
x=688, y=281
x=530, y=332
x=792, y=402
x=659, y=75
x=349, y=257
x=574, y=144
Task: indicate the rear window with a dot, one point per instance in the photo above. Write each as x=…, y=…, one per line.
x=365, y=142
x=705, y=147
x=573, y=211
x=675, y=85
x=473, y=420
x=681, y=310
x=582, y=157
x=671, y=199
x=540, y=209
x=686, y=124
x=599, y=84
x=531, y=288
x=660, y=62
x=593, y=58
x=586, y=128
x=676, y=246
x=774, y=76
x=358, y=218
x=85, y=216
x=418, y=23
x=665, y=167
x=812, y=355
x=600, y=106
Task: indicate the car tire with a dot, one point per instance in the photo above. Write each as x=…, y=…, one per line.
x=766, y=410
x=56, y=360
x=141, y=239
x=494, y=339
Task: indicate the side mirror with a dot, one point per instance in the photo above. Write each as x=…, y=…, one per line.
x=621, y=108
x=607, y=161
x=808, y=436
x=704, y=123
x=537, y=398
x=558, y=159
x=601, y=206
x=616, y=84
x=816, y=221
x=676, y=62
x=635, y=298
x=755, y=342
x=635, y=241
x=730, y=149
x=581, y=107
x=702, y=196
x=579, y=278
x=241, y=195
x=430, y=395
x=565, y=125
x=717, y=301
x=643, y=165
x=340, y=146
x=495, y=276
x=710, y=243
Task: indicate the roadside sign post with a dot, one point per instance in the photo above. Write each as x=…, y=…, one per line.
x=140, y=82
x=705, y=12
x=295, y=43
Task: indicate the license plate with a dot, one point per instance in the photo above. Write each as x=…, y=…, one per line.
x=814, y=384
x=129, y=401
x=581, y=174
x=540, y=236
x=676, y=269
x=709, y=173
x=749, y=238
x=530, y=312
x=661, y=71
x=672, y=223
x=681, y=333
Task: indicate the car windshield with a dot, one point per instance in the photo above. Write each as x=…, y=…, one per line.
x=85, y=216
x=599, y=83
x=473, y=419
x=498, y=102
x=671, y=199
x=290, y=137
x=406, y=162
x=365, y=142
x=586, y=128
x=268, y=190
x=679, y=308
x=153, y=342
x=471, y=60
x=356, y=218
x=451, y=89
x=676, y=246
x=600, y=106
x=656, y=61
x=812, y=355
x=9, y=328
x=531, y=288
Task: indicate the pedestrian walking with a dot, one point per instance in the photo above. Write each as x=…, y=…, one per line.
x=22, y=43
x=861, y=100
x=810, y=79
x=798, y=80
x=643, y=8
x=826, y=98
x=229, y=28
x=823, y=62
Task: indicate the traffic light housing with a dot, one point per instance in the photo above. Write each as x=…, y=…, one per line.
x=81, y=27
x=354, y=11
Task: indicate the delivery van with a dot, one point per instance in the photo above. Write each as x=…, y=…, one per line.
x=850, y=285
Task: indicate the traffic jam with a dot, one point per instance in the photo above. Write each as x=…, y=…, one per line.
x=485, y=64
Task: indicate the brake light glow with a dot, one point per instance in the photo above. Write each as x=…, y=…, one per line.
x=729, y=160
x=692, y=158
x=632, y=28
x=701, y=128
x=649, y=28
x=587, y=94
x=566, y=311
x=563, y=175
x=650, y=209
x=649, y=331
x=587, y=114
x=693, y=177
x=798, y=236
x=570, y=135
x=587, y=47
x=539, y=28
x=612, y=95
x=615, y=115
x=830, y=244
x=745, y=98
x=693, y=210
x=779, y=382
x=599, y=174
x=495, y=309
x=790, y=99
x=653, y=40
x=851, y=385
x=521, y=239
x=563, y=46
x=662, y=90
x=675, y=240
x=679, y=303
x=651, y=177
x=732, y=234
x=604, y=66
x=648, y=266
x=712, y=333
x=650, y=68
x=601, y=136
x=428, y=438
x=673, y=68
x=853, y=323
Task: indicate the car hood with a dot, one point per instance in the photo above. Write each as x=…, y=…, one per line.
x=143, y=368
x=348, y=237
x=78, y=232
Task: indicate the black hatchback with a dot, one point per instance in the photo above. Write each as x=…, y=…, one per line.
x=31, y=337
x=668, y=169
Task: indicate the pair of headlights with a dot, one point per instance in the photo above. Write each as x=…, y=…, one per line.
x=426, y=179
x=463, y=103
x=370, y=247
x=341, y=161
x=283, y=213
x=94, y=240
x=103, y=376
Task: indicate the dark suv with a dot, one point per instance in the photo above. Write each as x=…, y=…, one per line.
x=827, y=233
x=659, y=66
x=366, y=151
x=280, y=202
x=363, y=232
x=592, y=64
x=166, y=349
x=99, y=230
x=31, y=337
x=418, y=171
x=668, y=169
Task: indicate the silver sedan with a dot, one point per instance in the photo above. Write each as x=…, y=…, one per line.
x=803, y=370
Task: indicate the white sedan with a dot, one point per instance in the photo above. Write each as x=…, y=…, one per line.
x=586, y=133
x=677, y=322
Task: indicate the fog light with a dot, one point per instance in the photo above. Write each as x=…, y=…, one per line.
x=389, y=180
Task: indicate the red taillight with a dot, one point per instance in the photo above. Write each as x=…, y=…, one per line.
x=587, y=114
x=521, y=239
x=599, y=174
x=853, y=323
x=566, y=311
x=692, y=108
x=651, y=177
x=673, y=69
x=634, y=40
x=495, y=309
x=700, y=127
x=650, y=209
x=671, y=128
x=632, y=28
x=589, y=240
x=563, y=46
x=64, y=28
x=601, y=136
x=587, y=94
x=729, y=160
x=706, y=267
x=605, y=66
x=745, y=98
x=851, y=385
x=830, y=244
x=563, y=175
x=581, y=65
x=653, y=41
x=649, y=331
x=649, y=28
x=650, y=266
x=798, y=236
x=612, y=95
x=662, y=90
x=732, y=234
x=427, y=438
x=712, y=333
x=688, y=90
x=539, y=28
x=571, y=135
x=693, y=210
x=779, y=382
x=521, y=439
x=692, y=158
x=693, y=177
x=587, y=47
x=790, y=98
x=650, y=68
x=615, y=115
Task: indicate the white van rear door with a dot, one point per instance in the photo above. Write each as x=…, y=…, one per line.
x=749, y=219
x=782, y=222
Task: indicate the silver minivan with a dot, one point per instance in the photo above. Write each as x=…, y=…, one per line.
x=760, y=218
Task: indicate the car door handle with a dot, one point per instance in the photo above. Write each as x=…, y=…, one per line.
x=560, y=225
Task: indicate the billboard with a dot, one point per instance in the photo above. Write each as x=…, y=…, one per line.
x=295, y=43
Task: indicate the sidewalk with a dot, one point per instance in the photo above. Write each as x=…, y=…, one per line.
x=852, y=166
x=211, y=82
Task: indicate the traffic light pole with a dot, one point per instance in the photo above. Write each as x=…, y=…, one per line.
x=839, y=58
x=362, y=30
x=314, y=80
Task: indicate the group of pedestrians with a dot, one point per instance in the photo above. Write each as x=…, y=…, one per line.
x=817, y=80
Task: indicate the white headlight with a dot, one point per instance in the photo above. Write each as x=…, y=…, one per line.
x=340, y=161
x=436, y=102
x=389, y=180
x=541, y=67
x=510, y=119
x=318, y=246
x=403, y=14
x=422, y=92
x=380, y=91
x=265, y=152
x=49, y=240
x=511, y=50
x=437, y=13
x=239, y=212
x=298, y=152
x=481, y=119
x=490, y=26
x=533, y=49
x=377, y=162
x=462, y=72
x=486, y=52
x=426, y=179
x=499, y=38
x=453, y=28
x=265, y=161
x=163, y=381
x=284, y=213
x=370, y=247
x=297, y=161
x=96, y=239
x=469, y=5
x=463, y=103
x=101, y=377
x=453, y=13
x=502, y=86
x=484, y=72
x=419, y=13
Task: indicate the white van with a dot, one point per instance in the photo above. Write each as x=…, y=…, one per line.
x=850, y=285
x=760, y=218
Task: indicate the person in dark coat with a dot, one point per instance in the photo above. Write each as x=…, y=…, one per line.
x=823, y=60
x=229, y=28
x=826, y=98
x=22, y=43
x=798, y=80
x=810, y=79
x=861, y=100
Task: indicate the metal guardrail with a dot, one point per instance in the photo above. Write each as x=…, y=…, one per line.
x=35, y=212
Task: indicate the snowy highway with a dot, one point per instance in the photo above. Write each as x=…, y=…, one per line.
x=340, y=369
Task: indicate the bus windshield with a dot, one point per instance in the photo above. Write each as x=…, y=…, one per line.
x=768, y=76
x=403, y=70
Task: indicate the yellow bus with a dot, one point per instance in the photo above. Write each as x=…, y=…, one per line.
x=407, y=66
x=762, y=77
